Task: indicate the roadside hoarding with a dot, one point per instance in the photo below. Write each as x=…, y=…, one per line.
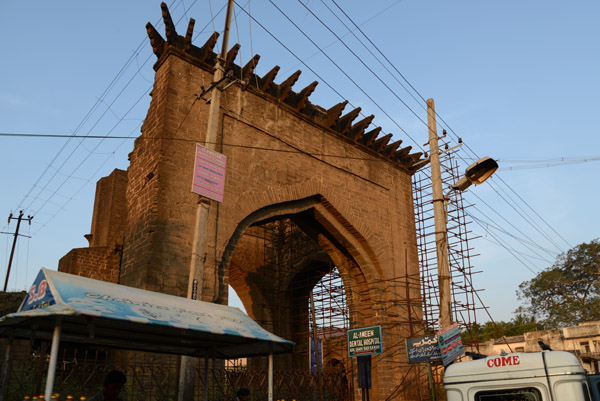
x=365, y=341
x=209, y=173
x=450, y=343
x=423, y=349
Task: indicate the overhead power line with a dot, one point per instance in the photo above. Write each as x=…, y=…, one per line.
x=500, y=189
x=39, y=188
x=103, y=137
x=346, y=74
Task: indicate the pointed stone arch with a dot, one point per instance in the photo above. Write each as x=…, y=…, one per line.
x=344, y=244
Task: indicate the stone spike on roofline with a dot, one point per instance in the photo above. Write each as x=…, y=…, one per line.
x=170, y=31
x=156, y=41
x=188, y=35
x=409, y=160
x=344, y=123
x=388, y=151
x=299, y=101
x=285, y=87
x=380, y=143
x=231, y=55
x=248, y=69
x=334, y=113
x=330, y=119
x=357, y=130
x=368, y=138
x=401, y=153
x=265, y=82
x=207, y=50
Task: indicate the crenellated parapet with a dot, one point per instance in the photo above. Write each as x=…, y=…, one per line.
x=330, y=119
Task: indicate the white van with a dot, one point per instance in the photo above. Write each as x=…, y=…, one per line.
x=538, y=376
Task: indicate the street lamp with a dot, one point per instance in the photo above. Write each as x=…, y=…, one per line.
x=476, y=174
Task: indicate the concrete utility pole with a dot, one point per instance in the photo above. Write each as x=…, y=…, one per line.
x=187, y=376
x=12, y=251
x=439, y=213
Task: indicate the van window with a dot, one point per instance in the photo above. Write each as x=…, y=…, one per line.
x=513, y=394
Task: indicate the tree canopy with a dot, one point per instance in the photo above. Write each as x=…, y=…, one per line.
x=568, y=292
x=518, y=325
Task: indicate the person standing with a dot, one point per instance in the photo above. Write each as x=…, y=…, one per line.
x=113, y=384
x=242, y=394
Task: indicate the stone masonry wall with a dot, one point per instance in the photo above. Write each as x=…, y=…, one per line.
x=99, y=263
x=110, y=213
x=102, y=260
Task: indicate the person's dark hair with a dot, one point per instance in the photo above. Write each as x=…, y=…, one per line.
x=242, y=392
x=115, y=376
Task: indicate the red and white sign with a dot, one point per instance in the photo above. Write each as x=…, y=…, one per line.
x=37, y=292
x=511, y=360
x=209, y=173
x=450, y=343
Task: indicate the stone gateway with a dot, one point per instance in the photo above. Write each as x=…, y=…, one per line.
x=340, y=183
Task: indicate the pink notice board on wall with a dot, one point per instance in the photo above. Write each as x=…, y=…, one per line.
x=209, y=173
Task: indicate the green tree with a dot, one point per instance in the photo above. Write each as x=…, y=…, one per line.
x=567, y=293
x=517, y=326
x=521, y=324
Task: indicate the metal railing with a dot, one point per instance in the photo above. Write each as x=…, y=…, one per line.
x=80, y=372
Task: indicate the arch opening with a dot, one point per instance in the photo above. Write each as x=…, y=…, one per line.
x=276, y=268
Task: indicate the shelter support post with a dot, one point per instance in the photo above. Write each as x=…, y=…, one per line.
x=205, y=395
x=53, y=359
x=270, y=374
x=5, y=365
x=187, y=378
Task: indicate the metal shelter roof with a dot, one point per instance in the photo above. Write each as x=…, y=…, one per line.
x=113, y=315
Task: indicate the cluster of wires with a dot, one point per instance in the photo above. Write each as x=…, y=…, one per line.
x=528, y=236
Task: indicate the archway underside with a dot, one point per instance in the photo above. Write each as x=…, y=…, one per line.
x=276, y=268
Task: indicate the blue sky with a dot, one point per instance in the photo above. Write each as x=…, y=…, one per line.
x=516, y=80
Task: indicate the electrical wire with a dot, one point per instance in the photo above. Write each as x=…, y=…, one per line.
x=81, y=123
x=509, y=249
x=493, y=225
x=347, y=75
x=529, y=243
x=525, y=215
x=102, y=137
x=350, y=31
x=363, y=63
x=100, y=100
x=532, y=223
x=441, y=119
